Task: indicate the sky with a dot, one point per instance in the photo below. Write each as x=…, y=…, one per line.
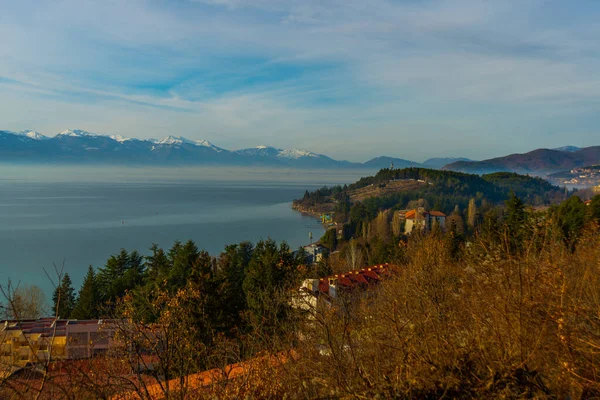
x=352, y=79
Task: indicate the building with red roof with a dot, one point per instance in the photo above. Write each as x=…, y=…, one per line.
x=315, y=292
x=419, y=218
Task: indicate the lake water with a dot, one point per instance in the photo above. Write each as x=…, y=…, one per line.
x=80, y=216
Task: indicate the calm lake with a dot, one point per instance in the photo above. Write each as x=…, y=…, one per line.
x=80, y=216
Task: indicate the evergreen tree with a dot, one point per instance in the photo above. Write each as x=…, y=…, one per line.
x=157, y=266
x=453, y=241
x=514, y=223
x=64, y=297
x=490, y=225
x=88, y=299
x=134, y=276
x=207, y=315
x=271, y=270
x=570, y=219
x=329, y=239
x=231, y=273
x=122, y=272
x=594, y=209
x=301, y=257
x=182, y=259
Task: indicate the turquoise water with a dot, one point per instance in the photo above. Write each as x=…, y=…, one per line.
x=79, y=220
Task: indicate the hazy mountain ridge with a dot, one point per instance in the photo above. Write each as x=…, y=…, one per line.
x=387, y=162
x=440, y=162
x=540, y=161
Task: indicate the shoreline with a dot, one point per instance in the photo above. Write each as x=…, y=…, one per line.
x=314, y=213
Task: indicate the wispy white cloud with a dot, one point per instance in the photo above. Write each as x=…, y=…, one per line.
x=492, y=76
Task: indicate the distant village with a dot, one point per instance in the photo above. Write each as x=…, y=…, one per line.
x=588, y=176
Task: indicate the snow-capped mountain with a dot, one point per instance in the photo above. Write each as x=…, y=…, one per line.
x=172, y=140
x=260, y=151
x=268, y=151
x=291, y=157
x=297, y=153
x=77, y=146
x=32, y=135
x=120, y=139
x=569, y=149
x=75, y=133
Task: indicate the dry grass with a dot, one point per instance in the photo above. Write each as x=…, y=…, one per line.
x=486, y=326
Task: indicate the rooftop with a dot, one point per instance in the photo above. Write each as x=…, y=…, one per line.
x=356, y=278
x=412, y=214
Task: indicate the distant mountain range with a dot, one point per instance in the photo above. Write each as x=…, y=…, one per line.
x=75, y=146
x=81, y=147
x=537, y=162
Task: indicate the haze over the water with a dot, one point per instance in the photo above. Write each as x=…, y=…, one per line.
x=351, y=79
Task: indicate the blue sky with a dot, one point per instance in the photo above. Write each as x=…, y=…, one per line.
x=351, y=79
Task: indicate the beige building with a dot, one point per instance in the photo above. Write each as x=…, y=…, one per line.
x=88, y=338
x=424, y=220
x=31, y=341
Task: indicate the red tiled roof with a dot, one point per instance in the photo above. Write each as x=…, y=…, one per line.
x=437, y=213
x=201, y=380
x=410, y=214
x=357, y=277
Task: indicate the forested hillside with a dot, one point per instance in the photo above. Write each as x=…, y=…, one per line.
x=439, y=190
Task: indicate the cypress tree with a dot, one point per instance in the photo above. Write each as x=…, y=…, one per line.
x=472, y=213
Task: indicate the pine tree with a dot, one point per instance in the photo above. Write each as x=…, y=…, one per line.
x=453, y=241
x=121, y=273
x=157, y=265
x=270, y=271
x=88, y=299
x=182, y=259
x=515, y=222
x=233, y=264
x=64, y=297
x=570, y=219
